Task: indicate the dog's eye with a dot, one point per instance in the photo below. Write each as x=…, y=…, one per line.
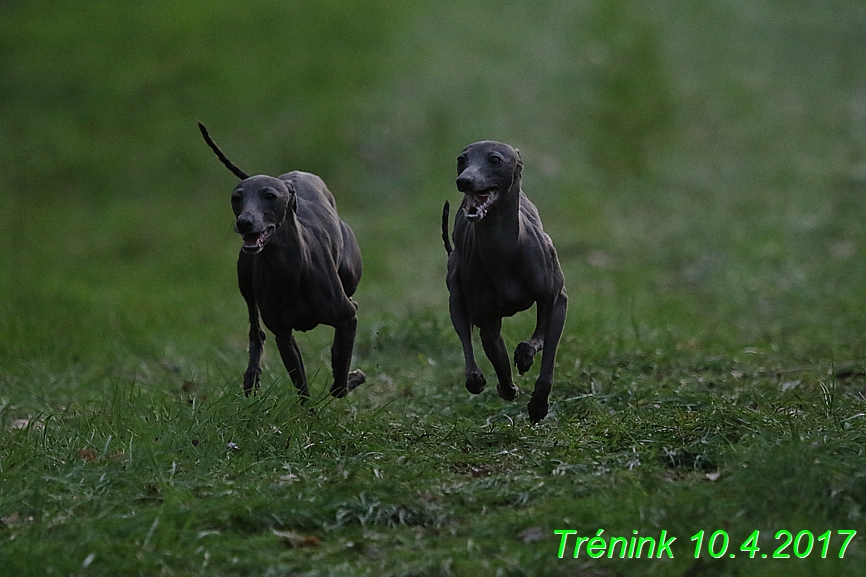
x=237, y=197
x=270, y=195
x=495, y=159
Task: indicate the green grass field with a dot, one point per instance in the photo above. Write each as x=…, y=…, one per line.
x=700, y=167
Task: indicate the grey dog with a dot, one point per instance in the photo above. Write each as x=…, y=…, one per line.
x=501, y=263
x=298, y=267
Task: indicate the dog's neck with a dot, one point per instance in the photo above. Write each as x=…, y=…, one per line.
x=503, y=220
x=288, y=249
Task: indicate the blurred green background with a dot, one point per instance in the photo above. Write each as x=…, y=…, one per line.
x=700, y=167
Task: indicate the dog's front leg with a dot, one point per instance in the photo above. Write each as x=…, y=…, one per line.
x=341, y=358
x=494, y=348
x=539, y=404
x=257, y=346
x=525, y=351
x=475, y=381
x=257, y=335
x=290, y=352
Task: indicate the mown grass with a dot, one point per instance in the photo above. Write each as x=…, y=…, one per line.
x=700, y=170
x=204, y=480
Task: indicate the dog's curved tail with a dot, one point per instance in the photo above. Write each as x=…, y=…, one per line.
x=228, y=163
x=446, y=210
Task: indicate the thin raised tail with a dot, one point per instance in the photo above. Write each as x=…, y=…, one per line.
x=446, y=210
x=228, y=163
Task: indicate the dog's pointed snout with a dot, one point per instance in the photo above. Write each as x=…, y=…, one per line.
x=464, y=183
x=244, y=224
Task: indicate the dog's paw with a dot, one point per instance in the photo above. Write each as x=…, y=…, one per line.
x=251, y=382
x=523, y=356
x=475, y=382
x=356, y=378
x=538, y=407
x=508, y=392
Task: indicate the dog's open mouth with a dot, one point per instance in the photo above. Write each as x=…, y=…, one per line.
x=478, y=203
x=254, y=243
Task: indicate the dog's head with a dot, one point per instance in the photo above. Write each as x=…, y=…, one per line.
x=260, y=204
x=486, y=172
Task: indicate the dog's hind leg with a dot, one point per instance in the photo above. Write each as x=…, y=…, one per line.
x=494, y=348
x=539, y=404
x=290, y=352
x=341, y=358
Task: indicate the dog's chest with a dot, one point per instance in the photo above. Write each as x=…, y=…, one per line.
x=281, y=314
x=286, y=304
x=489, y=280
x=492, y=292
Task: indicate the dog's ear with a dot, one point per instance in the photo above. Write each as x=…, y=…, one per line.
x=518, y=167
x=293, y=197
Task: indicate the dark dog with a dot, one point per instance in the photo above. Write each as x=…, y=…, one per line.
x=502, y=263
x=298, y=267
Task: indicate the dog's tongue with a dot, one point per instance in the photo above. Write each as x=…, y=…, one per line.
x=252, y=240
x=479, y=203
x=478, y=199
x=254, y=243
